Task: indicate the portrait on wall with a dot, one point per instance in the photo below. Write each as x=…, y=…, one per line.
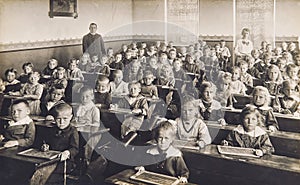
x=63, y=8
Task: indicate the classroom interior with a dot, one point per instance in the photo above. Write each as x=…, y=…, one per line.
x=30, y=32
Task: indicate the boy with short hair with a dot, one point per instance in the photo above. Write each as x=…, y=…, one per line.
x=102, y=94
x=118, y=86
x=63, y=137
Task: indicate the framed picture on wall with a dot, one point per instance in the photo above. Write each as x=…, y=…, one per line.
x=63, y=8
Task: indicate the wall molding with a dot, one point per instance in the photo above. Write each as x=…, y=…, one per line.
x=30, y=45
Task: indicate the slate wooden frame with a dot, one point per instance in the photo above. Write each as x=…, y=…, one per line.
x=63, y=8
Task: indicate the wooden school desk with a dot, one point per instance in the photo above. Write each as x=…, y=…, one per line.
x=207, y=166
x=288, y=123
x=124, y=177
x=285, y=143
x=26, y=165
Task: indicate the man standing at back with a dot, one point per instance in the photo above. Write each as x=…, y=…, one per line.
x=92, y=43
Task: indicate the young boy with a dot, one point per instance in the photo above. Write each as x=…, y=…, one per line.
x=20, y=131
x=64, y=138
x=117, y=63
x=102, y=94
x=139, y=106
x=56, y=93
x=118, y=86
x=148, y=89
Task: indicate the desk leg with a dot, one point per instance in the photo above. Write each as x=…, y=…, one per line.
x=65, y=172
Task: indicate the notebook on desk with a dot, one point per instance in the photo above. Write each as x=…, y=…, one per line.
x=185, y=144
x=154, y=178
x=32, y=152
x=239, y=151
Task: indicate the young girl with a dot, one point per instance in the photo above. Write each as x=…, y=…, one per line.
x=73, y=72
x=33, y=92
x=148, y=89
x=133, y=72
x=273, y=80
x=210, y=109
x=190, y=127
x=167, y=159
x=261, y=99
x=84, y=62
x=246, y=78
x=87, y=112
x=290, y=103
x=292, y=72
x=250, y=134
x=10, y=82
x=139, y=106
x=252, y=69
x=281, y=63
x=153, y=66
x=51, y=68
x=237, y=87
x=27, y=68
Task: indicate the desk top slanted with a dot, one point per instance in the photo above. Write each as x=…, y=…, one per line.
x=124, y=178
x=12, y=154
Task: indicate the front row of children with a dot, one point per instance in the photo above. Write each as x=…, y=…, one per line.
x=64, y=137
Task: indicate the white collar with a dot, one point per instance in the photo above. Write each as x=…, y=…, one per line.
x=171, y=152
x=24, y=121
x=255, y=133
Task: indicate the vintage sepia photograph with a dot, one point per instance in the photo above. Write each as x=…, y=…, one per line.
x=149, y=92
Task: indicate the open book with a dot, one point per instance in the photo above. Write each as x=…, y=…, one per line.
x=154, y=178
x=32, y=152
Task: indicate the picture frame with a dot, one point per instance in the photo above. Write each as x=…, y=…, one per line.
x=63, y=8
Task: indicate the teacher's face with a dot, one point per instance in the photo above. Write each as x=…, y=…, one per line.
x=93, y=29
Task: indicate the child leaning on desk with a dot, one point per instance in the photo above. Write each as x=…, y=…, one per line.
x=190, y=127
x=139, y=106
x=165, y=158
x=64, y=138
x=20, y=131
x=250, y=134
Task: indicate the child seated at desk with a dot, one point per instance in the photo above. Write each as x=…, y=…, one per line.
x=87, y=113
x=64, y=138
x=10, y=82
x=148, y=89
x=290, y=102
x=210, y=109
x=27, y=68
x=139, y=106
x=73, y=72
x=56, y=93
x=58, y=78
x=93, y=66
x=20, y=131
x=133, y=71
x=166, y=158
x=292, y=71
x=84, y=62
x=32, y=91
x=102, y=94
x=103, y=67
x=117, y=63
x=261, y=100
x=118, y=86
x=50, y=69
x=190, y=127
x=250, y=134
x=273, y=81
x=237, y=87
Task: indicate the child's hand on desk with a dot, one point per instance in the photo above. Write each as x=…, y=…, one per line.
x=201, y=144
x=222, y=122
x=140, y=168
x=9, y=144
x=224, y=143
x=137, y=111
x=272, y=128
x=183, y=180
x=64, y=155
x=259, y=152
x=1, y=138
